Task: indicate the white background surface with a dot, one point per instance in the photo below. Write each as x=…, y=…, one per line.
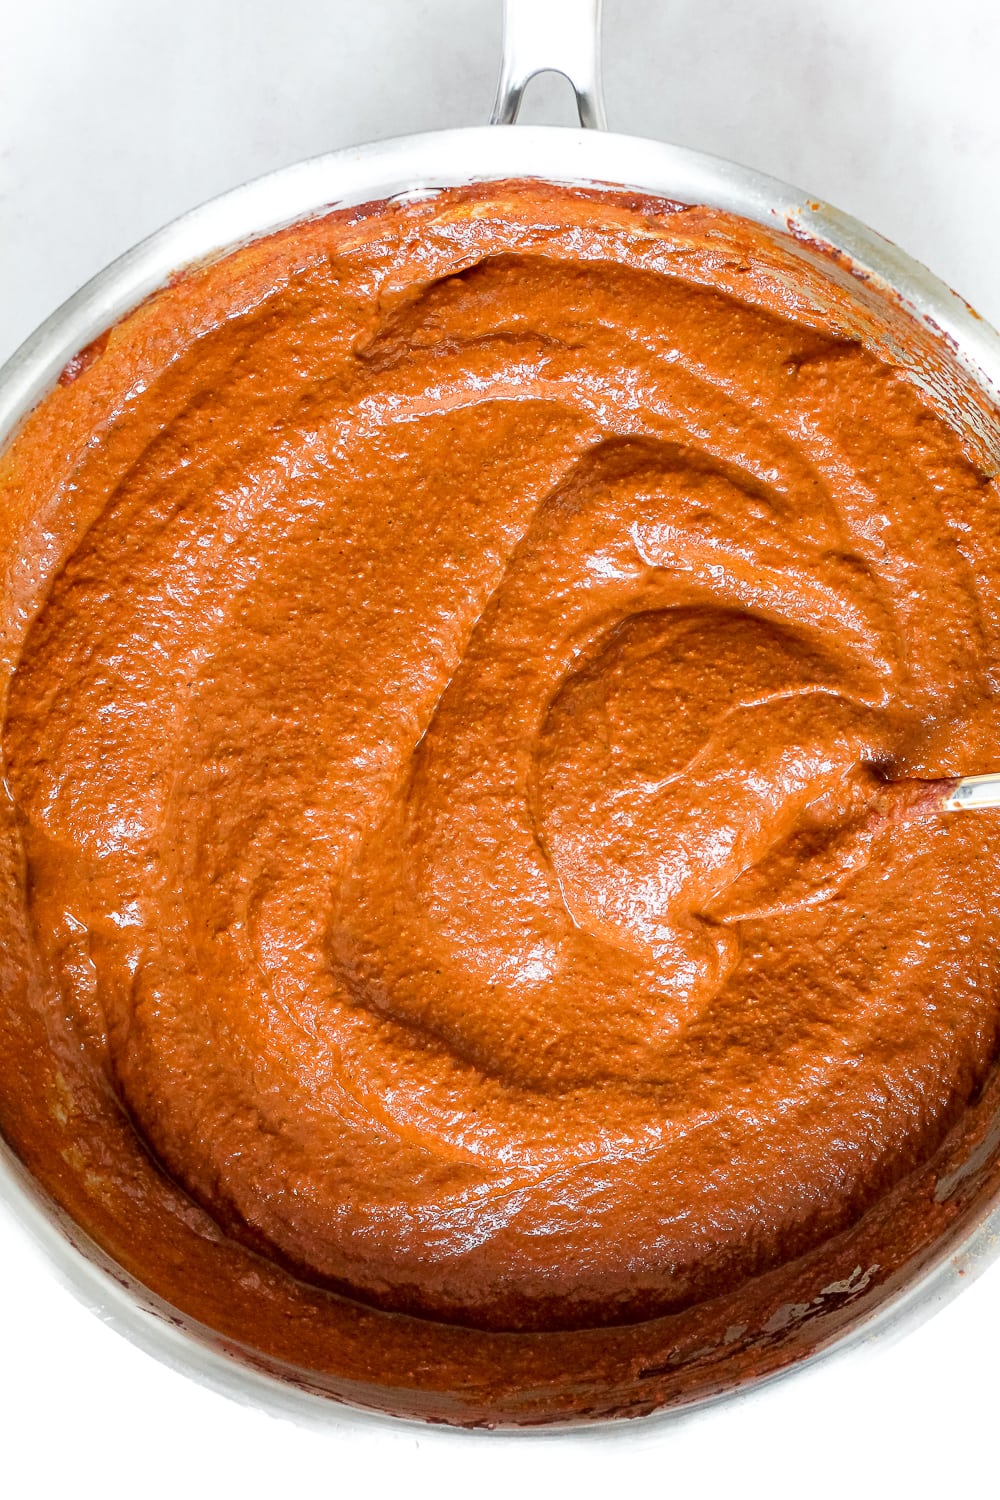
x=115, y=115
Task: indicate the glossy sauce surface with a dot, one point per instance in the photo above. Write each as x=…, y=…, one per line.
x=441, y=745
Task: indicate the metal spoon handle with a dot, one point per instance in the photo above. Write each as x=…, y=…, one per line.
x=970, y=793
x=902, y=801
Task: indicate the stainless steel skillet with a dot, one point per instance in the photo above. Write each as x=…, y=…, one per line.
x=923, y=325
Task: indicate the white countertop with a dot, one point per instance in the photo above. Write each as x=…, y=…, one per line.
x=117, y=115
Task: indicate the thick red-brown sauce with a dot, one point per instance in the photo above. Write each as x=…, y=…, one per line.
x=449, y=649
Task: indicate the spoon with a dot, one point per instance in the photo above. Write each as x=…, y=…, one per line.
x=899, y=801
x=814, y=856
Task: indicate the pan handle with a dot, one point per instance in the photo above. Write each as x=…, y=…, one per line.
x=551, y=36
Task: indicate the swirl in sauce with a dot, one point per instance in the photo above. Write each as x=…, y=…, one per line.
x=458, y=614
